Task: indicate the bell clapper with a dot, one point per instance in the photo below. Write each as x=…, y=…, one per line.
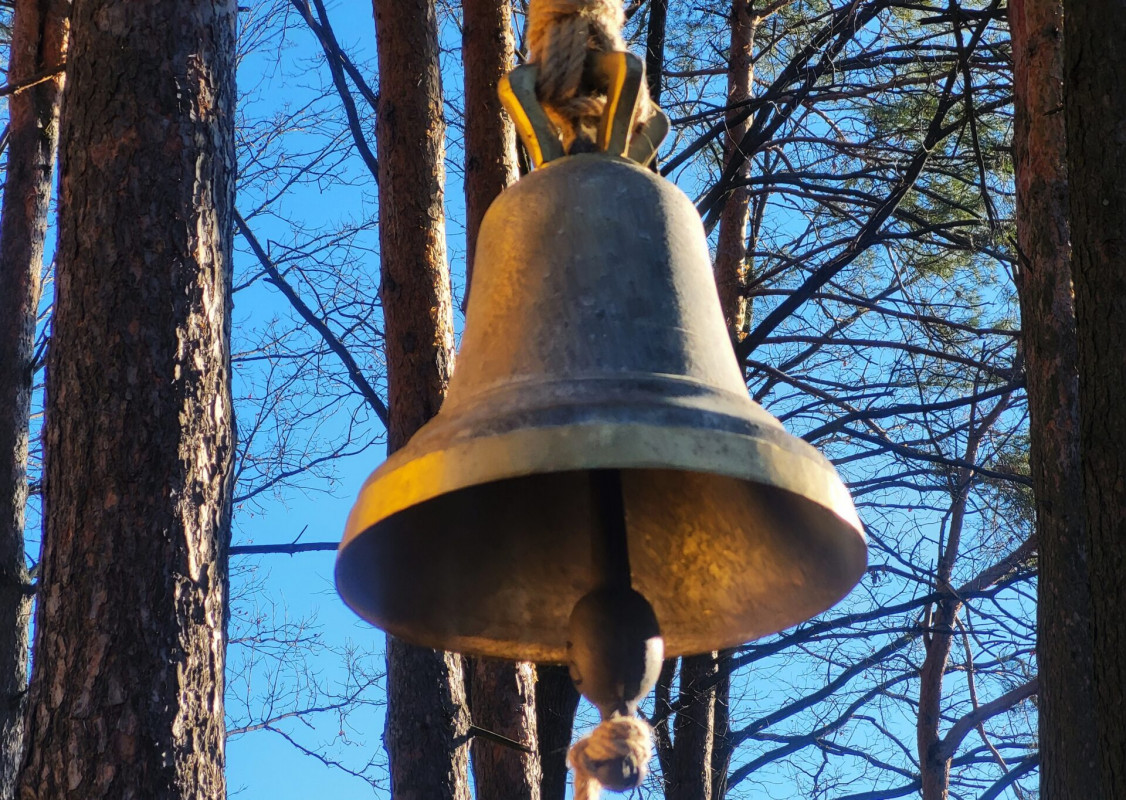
x=614, y=649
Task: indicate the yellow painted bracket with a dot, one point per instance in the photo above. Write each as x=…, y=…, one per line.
x=517, y=92
x=620, y=74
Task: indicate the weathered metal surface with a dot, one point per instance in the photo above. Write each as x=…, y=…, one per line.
x=594, y=340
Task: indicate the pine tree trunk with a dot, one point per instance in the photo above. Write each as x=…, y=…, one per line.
x=502, y=694
x=731, y=242
x=427, y=721
x=1067, y=750
x=1095, y=106
x=126, y=699
x=556, y=702
x=935, y=771
x=655, y=48
x=502, y=701
x=488, y=52
x=694, y=730
x=942, y=617
x=721, y=724
x=39, y=31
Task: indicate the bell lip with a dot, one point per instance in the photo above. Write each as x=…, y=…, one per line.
x=406, y=478
x=854, y=561
x=479, y=647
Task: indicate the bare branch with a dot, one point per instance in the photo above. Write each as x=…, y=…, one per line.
x=330, y=339
x=945, y=748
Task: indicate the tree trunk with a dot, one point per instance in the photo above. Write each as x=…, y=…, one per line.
x=721, y=724
x=938, y=637
x=693, y=731
x=427, y=721
x=556, y=702
x=502, y=701
x=1095, y=72
x=662, y=720
x=938, y=628
x=655, y=48
x=126, y=699
x=39, y=31
x=502, y=694
x=934, y=770
x=488, y=46
x=731, y=242
x=1067, y=751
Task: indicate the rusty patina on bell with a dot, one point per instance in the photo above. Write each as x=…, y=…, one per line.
x=594, y=340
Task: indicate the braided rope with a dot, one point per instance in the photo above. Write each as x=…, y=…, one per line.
x=561, y=33
x=613, y=740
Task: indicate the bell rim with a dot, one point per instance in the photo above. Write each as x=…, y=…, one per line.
x=407, y=479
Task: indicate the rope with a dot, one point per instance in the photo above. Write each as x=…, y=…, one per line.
x=615, y=754
x=560, y=35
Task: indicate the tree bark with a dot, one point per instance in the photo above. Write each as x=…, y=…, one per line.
x=1067, y=763
x=721, y=724
x=502, y=694
x=488, y=50
x=557, y=699
x=39, y=31
x=938, y=638
x=427, y=719
x=126, y=699
x=731, y=242
x=502, y=701
x=662, y=719
x=694, y=730
x=1095, y=72
x=655, y=48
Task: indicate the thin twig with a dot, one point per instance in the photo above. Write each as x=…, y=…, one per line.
x=329, y=338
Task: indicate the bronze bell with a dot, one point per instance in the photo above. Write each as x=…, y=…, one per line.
x=595, y=354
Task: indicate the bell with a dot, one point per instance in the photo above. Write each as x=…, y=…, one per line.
x=595, y=355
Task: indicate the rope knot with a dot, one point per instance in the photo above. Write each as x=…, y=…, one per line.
x=615, y=755
x=561, y=34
